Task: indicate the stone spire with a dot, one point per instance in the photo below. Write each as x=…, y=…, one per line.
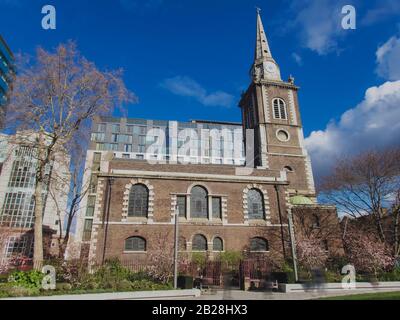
x=264, y=66
x=263, y=51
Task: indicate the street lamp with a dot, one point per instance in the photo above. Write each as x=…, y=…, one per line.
x=176, y=248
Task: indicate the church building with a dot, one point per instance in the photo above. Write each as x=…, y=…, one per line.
x=234, y=185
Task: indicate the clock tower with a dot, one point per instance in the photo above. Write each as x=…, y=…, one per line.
x=270, y=108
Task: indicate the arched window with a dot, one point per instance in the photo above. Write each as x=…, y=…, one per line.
x=199, y=202
x=199, y=243
x=138, y=201
x=218, y=244
x=255, y=204
x=279, y=109
x=259, y=244
x=135, y=244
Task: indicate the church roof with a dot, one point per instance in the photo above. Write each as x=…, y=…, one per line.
x=300, y=200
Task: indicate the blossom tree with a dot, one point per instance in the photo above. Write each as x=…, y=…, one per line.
x=310, y=252
x=366, y=252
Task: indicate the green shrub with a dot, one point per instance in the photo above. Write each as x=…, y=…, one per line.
x=199, y=258
x=27, y=279
x=390, y=276
x=331, y=276
x=134, y=276
x=230, y=257
x=288, y=269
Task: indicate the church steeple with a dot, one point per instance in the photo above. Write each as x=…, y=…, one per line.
x=263, y=51
x=264, y=66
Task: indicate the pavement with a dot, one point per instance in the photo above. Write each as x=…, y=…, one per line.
x=249, y=295
x=194, y=294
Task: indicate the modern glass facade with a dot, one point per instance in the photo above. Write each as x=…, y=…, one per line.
x=196, y=142
x=7, y=73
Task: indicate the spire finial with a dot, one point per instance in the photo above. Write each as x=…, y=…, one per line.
x=258, y=10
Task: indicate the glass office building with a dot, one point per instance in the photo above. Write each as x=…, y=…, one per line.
x=195, y=142
x=7, y=73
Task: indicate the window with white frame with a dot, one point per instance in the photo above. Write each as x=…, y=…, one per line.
x=18, y=210
x=18, y=246
x=138, y=201
x=255, y=204
x=216, y=208
x=199, y=202
x=279, y=109
x=22, y=174
x=181, y=203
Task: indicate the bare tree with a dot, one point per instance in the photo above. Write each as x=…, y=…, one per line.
x=72, y=187
x=56, y=97
x=365, y=186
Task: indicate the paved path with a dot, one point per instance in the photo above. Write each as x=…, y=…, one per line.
x=248, y=295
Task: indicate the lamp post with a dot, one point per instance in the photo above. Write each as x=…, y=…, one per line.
x=293, y=244
x=176, y=248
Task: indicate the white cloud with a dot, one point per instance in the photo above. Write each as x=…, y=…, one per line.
x=319, y=22
x=384, y=9
x=187, y=87
x=388, y=59
x=373, y=123
x=297, y=58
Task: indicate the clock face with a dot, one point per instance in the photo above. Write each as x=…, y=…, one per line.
x=270, y=67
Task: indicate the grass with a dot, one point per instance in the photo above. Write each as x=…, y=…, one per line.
x=368, y=296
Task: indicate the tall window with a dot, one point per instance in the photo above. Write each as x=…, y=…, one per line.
x=199, y=202
x=91, y=202
x=87, y=229
x=218, y=244
x=216, y=208
x=138, y=201
x=199, y=243
x=279, y=109
x=259, y=244
x=255, y=204
x=135, y=244
x=181, y=202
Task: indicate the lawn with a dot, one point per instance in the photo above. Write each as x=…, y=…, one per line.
x=368, y=296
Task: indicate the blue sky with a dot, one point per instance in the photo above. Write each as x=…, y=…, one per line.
x=190, y=59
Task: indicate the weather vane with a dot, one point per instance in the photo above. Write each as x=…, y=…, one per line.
x=258, y=10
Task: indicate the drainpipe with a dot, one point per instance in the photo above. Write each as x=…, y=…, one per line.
x=106, y=216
